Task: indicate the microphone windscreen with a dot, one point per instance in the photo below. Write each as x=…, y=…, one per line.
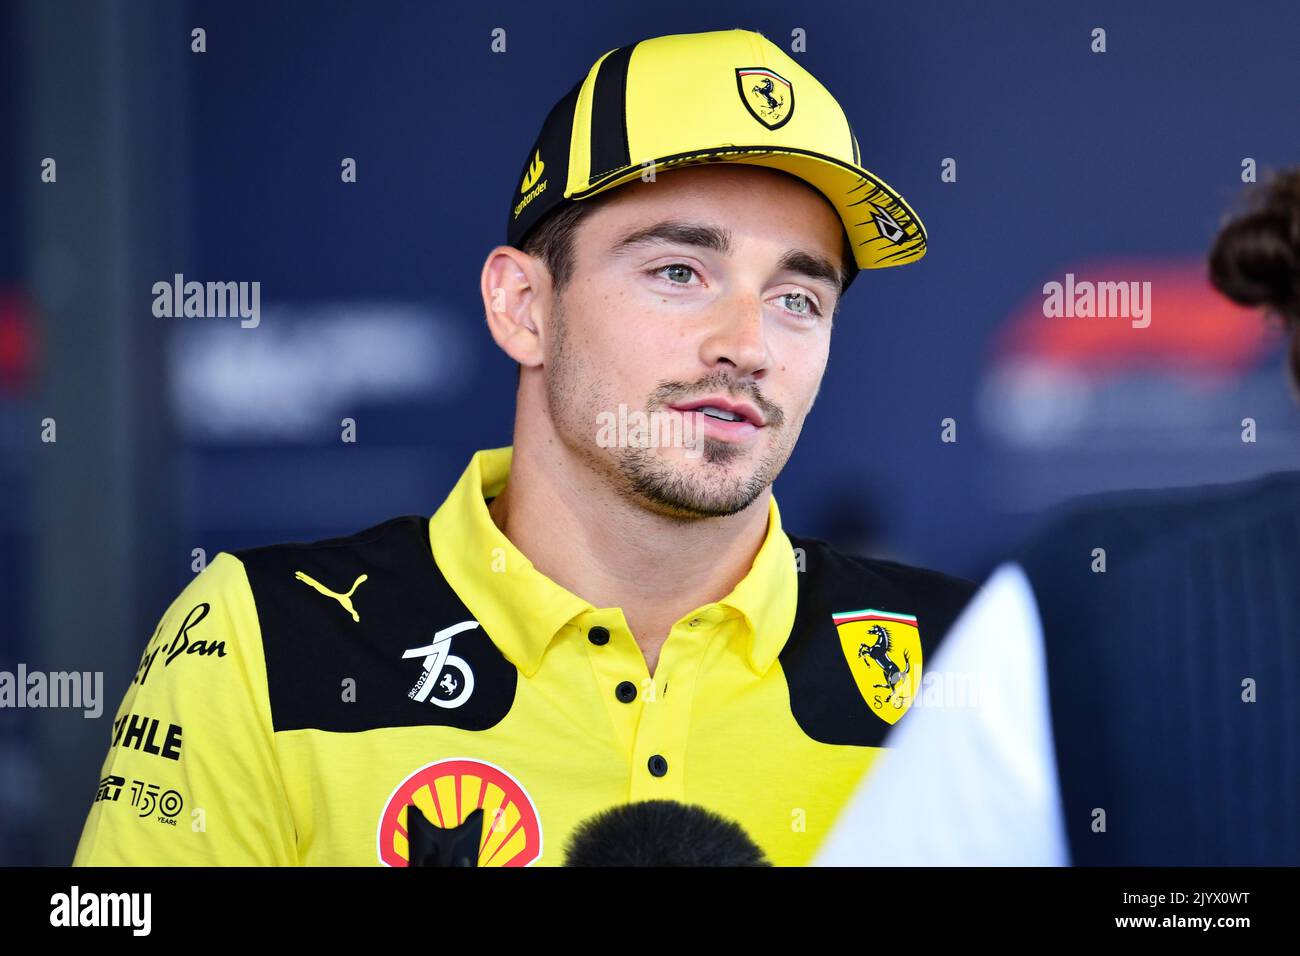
x=661, y=833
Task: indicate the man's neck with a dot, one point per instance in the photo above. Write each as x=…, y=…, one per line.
x=583, y=536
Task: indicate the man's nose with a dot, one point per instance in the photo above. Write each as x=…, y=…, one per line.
x=737, y=335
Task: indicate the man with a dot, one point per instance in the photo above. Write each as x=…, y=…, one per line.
x=619, y=620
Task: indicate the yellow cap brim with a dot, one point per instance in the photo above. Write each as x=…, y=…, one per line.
x=882, y=228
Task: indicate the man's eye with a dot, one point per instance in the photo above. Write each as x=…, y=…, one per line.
x=800, y=304
x=680, y=270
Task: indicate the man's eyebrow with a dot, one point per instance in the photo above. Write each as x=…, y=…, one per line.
x=678, y=232
x=817, y=268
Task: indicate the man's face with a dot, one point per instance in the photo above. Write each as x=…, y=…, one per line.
x=714, y=282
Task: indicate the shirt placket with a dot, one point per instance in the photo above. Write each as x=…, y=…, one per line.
x=651, y=716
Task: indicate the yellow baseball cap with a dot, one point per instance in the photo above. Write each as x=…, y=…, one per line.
x=729, y=96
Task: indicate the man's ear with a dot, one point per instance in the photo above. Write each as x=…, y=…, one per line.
x=516, y=291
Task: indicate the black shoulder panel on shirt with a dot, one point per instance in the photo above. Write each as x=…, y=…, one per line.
x=824, y=697
x=352, y=609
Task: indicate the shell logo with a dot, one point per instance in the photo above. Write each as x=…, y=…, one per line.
x=446, y=792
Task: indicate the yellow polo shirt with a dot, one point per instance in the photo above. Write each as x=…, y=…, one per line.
x=297, y=698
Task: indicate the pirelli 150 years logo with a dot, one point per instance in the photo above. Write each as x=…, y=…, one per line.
x=883, y=649
x=146, y=797
x=447, y=792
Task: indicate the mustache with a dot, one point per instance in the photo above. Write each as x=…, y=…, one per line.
x=672, y=393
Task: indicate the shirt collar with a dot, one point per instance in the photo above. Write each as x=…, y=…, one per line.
x=523, y=610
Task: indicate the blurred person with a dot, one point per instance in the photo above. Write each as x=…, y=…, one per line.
x=583, y=622
x=1140, y=712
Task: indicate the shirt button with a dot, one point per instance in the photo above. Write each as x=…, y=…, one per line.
x=598, y=635
x=626, y=692
x=695, y=622
x=658, y=765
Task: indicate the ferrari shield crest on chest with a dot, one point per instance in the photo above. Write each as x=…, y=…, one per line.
x=883, y=651
x=767, y=95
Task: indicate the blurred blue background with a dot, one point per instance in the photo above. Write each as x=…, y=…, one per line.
x=176, y=434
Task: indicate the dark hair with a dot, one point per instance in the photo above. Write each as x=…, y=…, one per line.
x=1256, y=255
x=552, y=240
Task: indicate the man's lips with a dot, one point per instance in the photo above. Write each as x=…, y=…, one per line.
x=746, y=411
x=741, y=430
x=717, y=427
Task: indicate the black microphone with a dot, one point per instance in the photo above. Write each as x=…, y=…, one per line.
x=661, y=833
x=430, y=845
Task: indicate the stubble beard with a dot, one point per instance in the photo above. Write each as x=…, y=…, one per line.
x=687, y=489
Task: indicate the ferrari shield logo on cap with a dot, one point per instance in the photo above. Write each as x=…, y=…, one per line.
x=767, y=95
x=883, y=649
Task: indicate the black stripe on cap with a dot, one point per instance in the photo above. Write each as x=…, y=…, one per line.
x=609, y=149
x=552, y=145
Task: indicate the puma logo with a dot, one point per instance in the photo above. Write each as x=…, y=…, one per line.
x=344, y=599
